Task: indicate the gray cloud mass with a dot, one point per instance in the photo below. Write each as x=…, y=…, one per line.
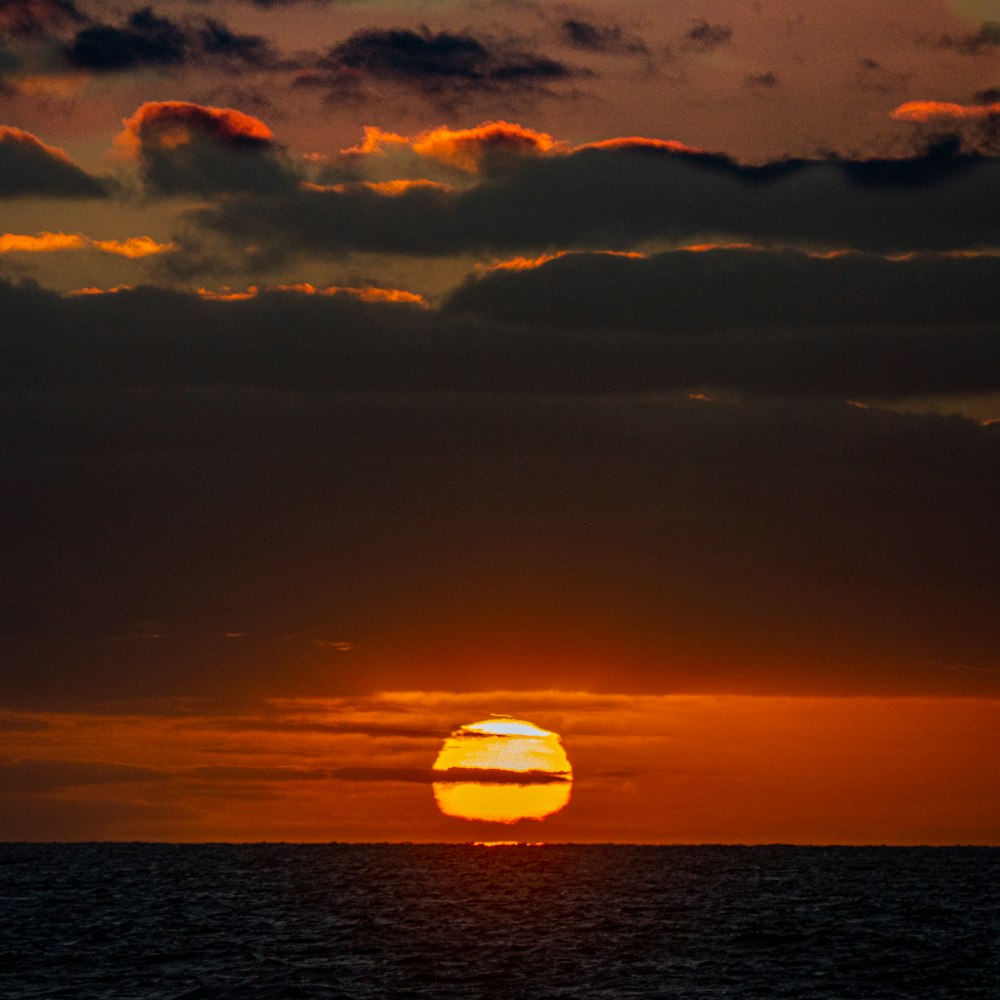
x=614, y=198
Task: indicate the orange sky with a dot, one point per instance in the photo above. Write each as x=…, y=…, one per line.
x=368, y=368
x=648, y=769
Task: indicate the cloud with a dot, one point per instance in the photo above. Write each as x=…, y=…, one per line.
x=146, y=39
x=217, y=39
x=616, y=194
x=226, y=773
x=185, y=148
x=491, y=147
x=605, y=38
x=442, y=63
x=426, y=775
x=982, y=42
x=704, y=37
x=374, y=730
x=38, y=775
x=366, y=293
x=849, y=327
x=768, y=80
x=924, y=111
x=765, y=290
x=134, y=248
x=28, y=167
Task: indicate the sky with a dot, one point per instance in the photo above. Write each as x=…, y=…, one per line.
x=371, y=368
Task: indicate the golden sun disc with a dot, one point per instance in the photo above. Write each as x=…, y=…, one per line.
x=502, y=770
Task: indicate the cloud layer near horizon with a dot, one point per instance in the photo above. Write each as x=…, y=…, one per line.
x=426, y=489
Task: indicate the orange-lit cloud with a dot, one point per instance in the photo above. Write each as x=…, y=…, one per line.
x=50, y=86
x=94, y=290
x=709, y=247
x=366, y=293
x=376, y=141
x=488, y=143
x=922, y=111
x=134, y=248
x=486, y=147
x=529, y=263
x=390, y=189
x=493, y=145
x=29, y=166
x=638, y=142
x=169, y=124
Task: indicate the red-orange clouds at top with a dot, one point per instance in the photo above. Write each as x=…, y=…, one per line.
x=922, y=111
x=168, y=124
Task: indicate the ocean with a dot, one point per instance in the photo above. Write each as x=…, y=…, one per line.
x=397, y=921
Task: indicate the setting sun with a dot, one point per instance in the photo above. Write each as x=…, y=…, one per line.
x=523, y=772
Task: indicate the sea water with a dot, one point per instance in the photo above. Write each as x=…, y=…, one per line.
x=240, y=922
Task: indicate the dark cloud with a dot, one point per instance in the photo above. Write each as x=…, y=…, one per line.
x=425, y=775
x=226, y=772
x=144, y=40
x=611, y=38
x=872, y=76
x=30, y=167
x=764, y=291
x=442, y=62
x=537, y=493
x=616, y=196
x=766, y=80
x=223, y=150
x=704, y=37
x=8, y=60
x=38, y=775
x=217, y=40
x=147, y=39
x=374, y=730
x=982, y=42
x=849, y=327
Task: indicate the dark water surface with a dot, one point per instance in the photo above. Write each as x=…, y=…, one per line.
x=217, y=922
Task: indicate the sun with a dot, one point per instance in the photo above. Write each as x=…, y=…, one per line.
x=502, y=770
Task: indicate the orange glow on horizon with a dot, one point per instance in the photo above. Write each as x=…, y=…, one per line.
x=646, y=769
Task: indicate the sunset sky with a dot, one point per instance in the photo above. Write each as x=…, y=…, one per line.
x=369, y=368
